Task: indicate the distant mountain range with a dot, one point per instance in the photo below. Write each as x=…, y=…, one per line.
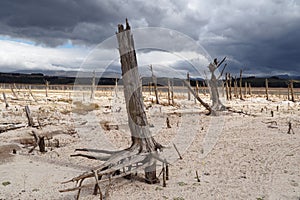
x=109, y=78
x=112, y=74
x=62, y=73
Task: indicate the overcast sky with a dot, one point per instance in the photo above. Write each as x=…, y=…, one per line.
x=262, y=36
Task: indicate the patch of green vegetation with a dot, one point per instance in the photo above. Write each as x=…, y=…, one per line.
x=178, y=198
x=158, y=188
x=5, y=183
x=182, y=183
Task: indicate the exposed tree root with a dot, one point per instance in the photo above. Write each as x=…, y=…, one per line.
x=119, y=164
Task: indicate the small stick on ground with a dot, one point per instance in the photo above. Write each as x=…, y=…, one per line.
x=290, y=129
x=168, y=123
x=167, y=170
x=98, y=184
x=164, y=175
x=198, y=179
x=180, y=157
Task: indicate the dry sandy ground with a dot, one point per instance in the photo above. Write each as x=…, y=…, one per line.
x=237, y=156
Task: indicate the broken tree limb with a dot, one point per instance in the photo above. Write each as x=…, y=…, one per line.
x=197, y=97
x=9, y=127
x=13, y=91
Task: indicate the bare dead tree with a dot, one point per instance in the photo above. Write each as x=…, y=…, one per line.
x=227, y=86
x=267, y=89
x=217, y=105
x=93, y=86
x=169, y=92
x=47, y=87
x=143, y=152
x=189, y=81
x=154, y=81
x=292, y=91
x=230, y=86
x=250, y=91
x=241, y=94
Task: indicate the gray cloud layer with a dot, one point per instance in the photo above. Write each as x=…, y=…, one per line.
x=261, y=36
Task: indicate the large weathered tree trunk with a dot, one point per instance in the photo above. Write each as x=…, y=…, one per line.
x=138, y=124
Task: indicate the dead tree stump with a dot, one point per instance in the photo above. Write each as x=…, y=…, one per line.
x=189, y=82
x=138, y=124
x=235, y=88
x=47, y=87
x=230, y=86
x=267, y=89
x=227, y=86
x=241, y=94
x=93, y=86
x=5, y=100
x=154, y=80
x=29, y=117
x=292, y=91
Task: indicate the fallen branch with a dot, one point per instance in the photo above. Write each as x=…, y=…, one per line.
x=11, y=127
x=241, y=112
x=197, y=97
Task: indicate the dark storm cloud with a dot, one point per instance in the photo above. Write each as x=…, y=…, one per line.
x=263, y=37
